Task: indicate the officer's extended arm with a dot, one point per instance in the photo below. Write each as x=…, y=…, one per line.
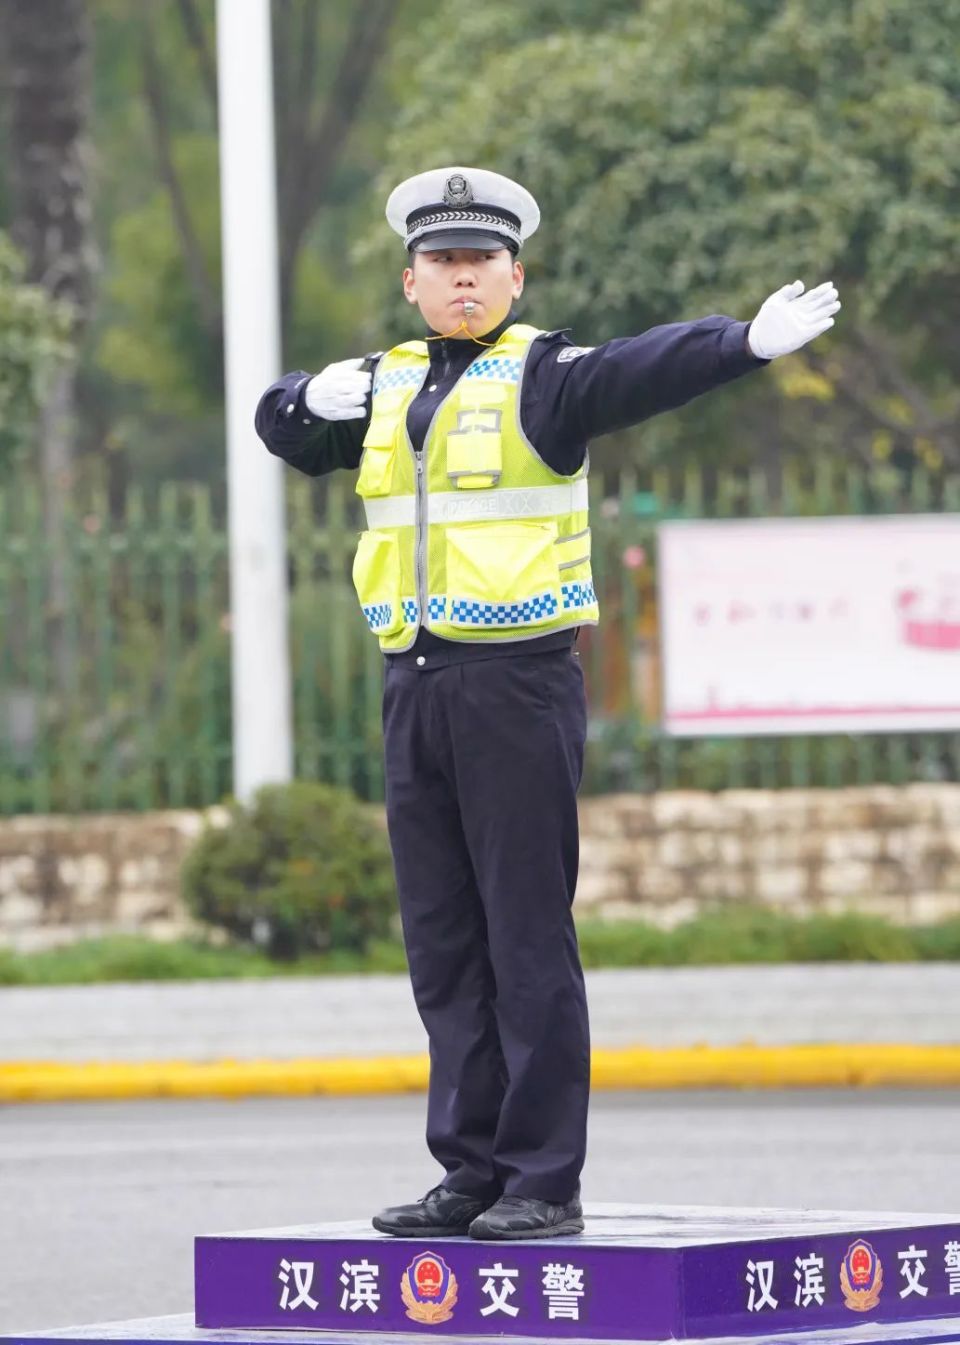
x=626, y=381
x=317, y=424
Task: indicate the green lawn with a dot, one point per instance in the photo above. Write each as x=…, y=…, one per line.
x=737, y=935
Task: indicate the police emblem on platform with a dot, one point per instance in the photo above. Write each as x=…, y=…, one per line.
x=861, y=1277
x=429, y=1289
x=457, y=190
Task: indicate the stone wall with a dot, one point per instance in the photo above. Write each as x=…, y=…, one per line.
x=883, y=850
x=66, y=878
x=889, y=851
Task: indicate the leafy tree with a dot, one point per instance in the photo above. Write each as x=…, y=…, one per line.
x=160, y=330
x=690, y=156
x=324, y=69
x=156, y=337
x=49, y=74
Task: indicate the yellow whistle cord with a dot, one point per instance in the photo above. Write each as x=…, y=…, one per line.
x=443, y=336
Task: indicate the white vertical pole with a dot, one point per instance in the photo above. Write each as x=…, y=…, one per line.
x=262, y=735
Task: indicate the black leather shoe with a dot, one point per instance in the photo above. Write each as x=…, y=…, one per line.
x=438, y=1214
x=522, y=1217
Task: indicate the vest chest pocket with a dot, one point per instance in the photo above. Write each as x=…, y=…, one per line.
x=502, y=574
x=376, y=577
x=474, y=449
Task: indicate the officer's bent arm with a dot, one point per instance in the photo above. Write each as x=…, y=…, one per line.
x=308, y=442
x=627, y=380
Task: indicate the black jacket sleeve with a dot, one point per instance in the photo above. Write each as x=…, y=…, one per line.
x=571, y=395
x=307, y=442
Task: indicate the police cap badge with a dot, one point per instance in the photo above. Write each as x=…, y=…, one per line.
x=457, y=190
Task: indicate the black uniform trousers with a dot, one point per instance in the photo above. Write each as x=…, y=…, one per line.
x=483, y=762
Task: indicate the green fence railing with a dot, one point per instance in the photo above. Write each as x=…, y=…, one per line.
x=114, y=658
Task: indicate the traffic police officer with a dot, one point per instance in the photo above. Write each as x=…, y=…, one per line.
x=474, y=574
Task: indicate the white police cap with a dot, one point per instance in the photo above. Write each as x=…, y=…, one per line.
x=462, y=207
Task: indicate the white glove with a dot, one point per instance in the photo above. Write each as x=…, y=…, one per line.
x=786, y=321
x=339, y=392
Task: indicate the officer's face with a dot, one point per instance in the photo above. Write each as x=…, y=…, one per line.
x=439, y=282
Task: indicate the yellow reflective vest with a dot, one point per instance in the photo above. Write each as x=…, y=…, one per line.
x=476, y=538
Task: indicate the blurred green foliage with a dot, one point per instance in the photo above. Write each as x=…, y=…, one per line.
x=152, y=337
x=743, y=934
x=726, y=936
x=135, y=958
x=34, y=335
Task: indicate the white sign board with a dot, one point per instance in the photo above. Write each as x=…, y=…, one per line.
x=819, y=625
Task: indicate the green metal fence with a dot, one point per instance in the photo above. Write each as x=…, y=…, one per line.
x=114, y=659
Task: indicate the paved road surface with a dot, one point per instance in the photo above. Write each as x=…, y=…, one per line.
x=375, y=1015
x=99, y=1201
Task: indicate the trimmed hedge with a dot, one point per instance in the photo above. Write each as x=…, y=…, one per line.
x=303, y=869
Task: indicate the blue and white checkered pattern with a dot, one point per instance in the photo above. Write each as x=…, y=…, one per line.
x=378, y=614
x=437, y=607
x=398, y=378
x=467, y=612
x=577, y=595
x=495, y=369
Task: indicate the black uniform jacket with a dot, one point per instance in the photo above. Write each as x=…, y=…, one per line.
x=569, y=396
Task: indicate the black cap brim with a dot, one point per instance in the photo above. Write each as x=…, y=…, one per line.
x=459, y=238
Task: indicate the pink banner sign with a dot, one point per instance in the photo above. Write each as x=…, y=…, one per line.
x=827, y=625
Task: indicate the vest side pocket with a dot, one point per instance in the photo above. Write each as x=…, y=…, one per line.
x=376, y=578
x=501, y=574
x=376, y=465
x=577, y=593
x=380, y=445
x=572, y=552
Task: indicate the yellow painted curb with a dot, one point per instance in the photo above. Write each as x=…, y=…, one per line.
x=834, y=1065
x=826, y=1065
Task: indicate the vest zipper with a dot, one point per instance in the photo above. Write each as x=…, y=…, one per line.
x=420, y=565
x=420, y=545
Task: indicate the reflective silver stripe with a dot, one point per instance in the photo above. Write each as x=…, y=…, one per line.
x=467, y=506
x=397, y=511
x=459, y=506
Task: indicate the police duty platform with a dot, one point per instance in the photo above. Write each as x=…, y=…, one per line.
x=637, y=1273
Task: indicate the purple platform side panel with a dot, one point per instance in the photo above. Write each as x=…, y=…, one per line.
x=817, y=1282
x=558, y=1288
x=637, y=1273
